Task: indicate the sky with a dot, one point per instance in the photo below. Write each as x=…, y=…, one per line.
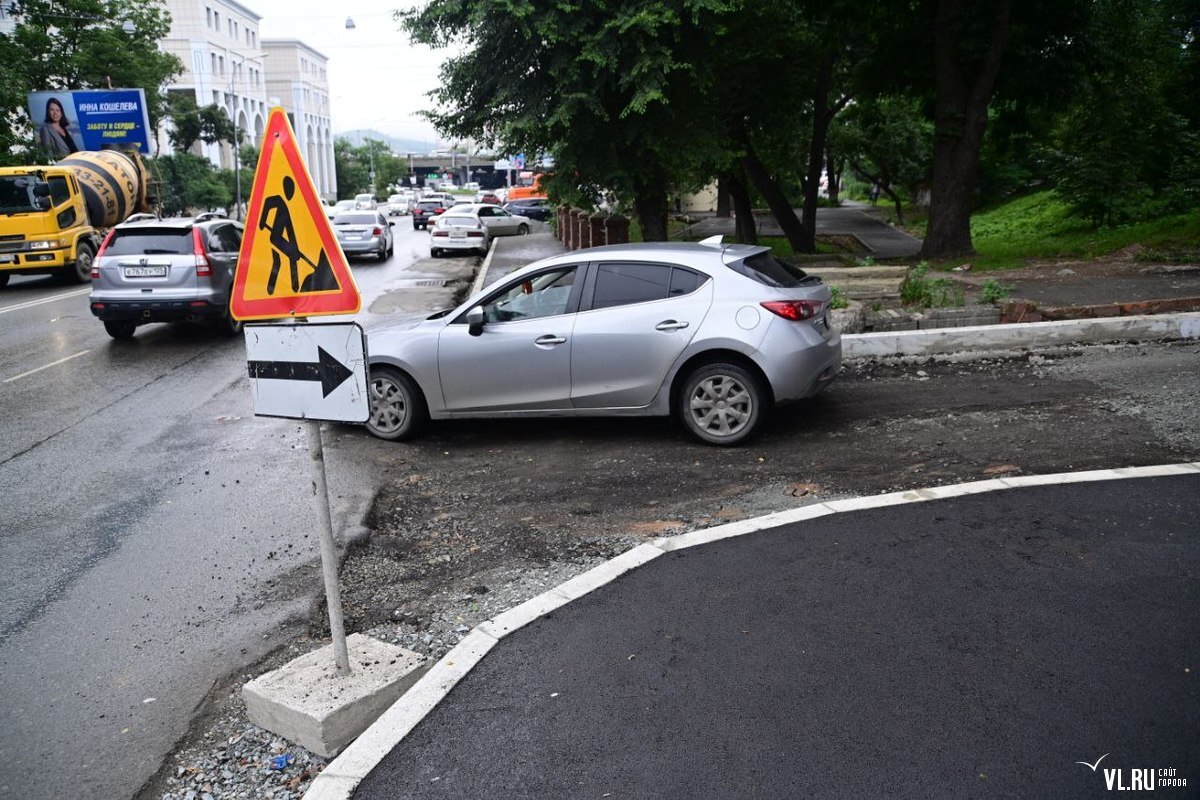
x=377, y=79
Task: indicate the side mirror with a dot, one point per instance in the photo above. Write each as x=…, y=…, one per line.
x=475, y=321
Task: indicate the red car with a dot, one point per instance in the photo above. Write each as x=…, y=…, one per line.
x=488, y=197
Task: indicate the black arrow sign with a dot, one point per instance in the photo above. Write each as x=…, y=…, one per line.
x=328, y=370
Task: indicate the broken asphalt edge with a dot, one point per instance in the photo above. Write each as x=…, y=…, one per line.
x=340, y=778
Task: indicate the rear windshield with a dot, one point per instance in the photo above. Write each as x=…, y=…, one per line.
x=766, y=268
x=428, y=206
x=354, y=219
x=467, y=222
x=150, y=242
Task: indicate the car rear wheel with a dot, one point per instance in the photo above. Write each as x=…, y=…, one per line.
x=398, y=410
x=721, y=404
x=522, y=229
x=227, y=325
x=119, y=329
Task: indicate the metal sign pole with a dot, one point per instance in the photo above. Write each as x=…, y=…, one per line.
x=333, y=595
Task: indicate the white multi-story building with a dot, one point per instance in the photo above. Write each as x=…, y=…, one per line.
x=226, y=63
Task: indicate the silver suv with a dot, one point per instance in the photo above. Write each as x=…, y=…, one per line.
x=166, y=270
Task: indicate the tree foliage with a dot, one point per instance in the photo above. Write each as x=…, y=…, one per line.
x=191, y=123
x=189, y=183
x=80, y=44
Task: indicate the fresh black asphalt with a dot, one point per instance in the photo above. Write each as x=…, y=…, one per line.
x=973, y=647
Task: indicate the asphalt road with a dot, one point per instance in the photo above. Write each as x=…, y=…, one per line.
x=973, y=647
x=155, y=536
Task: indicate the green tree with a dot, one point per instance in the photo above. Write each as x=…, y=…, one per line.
x=80, y=44
x=190, y=183
x=614, y=91
x=887, y=141
x=1125, y=144
x=191, y=123
x=351, y=169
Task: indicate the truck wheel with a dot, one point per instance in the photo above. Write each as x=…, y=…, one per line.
x=119, y=329
x=83, y=265
x=3, y=279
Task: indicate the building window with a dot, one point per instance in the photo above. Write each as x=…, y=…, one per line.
x=208, y=15
x=217, y=21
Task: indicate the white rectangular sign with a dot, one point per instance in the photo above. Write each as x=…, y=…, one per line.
x=309, y=370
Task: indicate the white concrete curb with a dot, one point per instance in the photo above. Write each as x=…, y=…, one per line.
x=1021, y=335
x=344, y=773
x=483, y=270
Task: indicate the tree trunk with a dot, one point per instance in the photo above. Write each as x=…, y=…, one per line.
x=960, y=119
x=833, y=168
x=722, y=198
x=823, y=114
x=781, y=209
x=650, y=205
x=745, y=231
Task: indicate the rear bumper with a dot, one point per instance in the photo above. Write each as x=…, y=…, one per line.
x=362, y=247
x=156, y=310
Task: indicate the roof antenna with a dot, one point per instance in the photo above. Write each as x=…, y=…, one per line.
x=713, y=241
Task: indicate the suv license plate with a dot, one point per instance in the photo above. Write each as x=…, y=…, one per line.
x=145, y=272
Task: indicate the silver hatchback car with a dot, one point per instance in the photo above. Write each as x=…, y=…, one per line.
x=713, y=334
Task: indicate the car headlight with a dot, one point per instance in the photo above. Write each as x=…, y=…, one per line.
x=46, y=244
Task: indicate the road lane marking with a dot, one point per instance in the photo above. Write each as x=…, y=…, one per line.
x=45, y=366
x=32, y=303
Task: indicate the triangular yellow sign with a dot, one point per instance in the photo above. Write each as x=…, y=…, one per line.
x=290, y=264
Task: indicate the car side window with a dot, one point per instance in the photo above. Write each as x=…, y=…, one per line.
x=544, y=295
x=619, y=284
x=228, y=240
x=684, y=281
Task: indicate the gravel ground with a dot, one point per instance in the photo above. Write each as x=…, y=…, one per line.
x=479, y=517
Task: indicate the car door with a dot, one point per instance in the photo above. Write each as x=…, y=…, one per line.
x=498, y=221
x=636, y=320
x=522, y=359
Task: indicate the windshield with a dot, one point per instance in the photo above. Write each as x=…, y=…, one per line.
x=16, y=194
x=150, y=242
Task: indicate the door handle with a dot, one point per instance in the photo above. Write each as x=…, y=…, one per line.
x=670, y=325
x=550, y=339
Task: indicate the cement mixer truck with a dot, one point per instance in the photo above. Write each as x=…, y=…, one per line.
x=53, y=218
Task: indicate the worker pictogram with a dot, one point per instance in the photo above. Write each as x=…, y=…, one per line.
x=290, y=264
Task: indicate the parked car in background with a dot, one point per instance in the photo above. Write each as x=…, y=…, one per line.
x=398, y=205
x=489, y=197
x=364, y=201
x=166, y=270
x=455, y=231
x=498, y=221
x=715, y=335
x=538, y=208
x=424, y=210
x=364, y=233
x=341, y=206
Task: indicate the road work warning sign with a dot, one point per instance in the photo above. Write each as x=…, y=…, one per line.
x=290, y=264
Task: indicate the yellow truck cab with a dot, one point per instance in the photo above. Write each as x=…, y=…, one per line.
x=52, y=217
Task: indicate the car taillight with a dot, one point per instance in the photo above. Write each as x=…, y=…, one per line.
x=203, y=267
x=377, y=232
x=795, y=310
x=440, y=233
x=103, y=247
x=439, y=210
x=476, y=234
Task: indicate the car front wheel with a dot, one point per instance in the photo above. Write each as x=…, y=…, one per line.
x=398, y=410
x=721, y=404
x=522, y=229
